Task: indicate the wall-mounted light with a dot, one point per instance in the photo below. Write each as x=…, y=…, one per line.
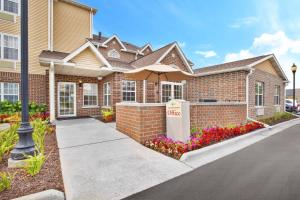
x=80, y=83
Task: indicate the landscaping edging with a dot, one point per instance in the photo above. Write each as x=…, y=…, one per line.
x=45, y=195
x=213, y=152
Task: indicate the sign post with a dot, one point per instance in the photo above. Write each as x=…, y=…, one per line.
x=178, y=120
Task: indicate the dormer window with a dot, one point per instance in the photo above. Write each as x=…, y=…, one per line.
x=113, y=54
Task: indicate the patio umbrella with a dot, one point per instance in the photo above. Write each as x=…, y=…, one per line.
x=158, y=72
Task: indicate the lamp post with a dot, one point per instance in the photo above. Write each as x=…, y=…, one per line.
x=25, y=146
x=294, y=69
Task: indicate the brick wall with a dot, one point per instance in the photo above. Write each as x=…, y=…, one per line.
x=222, y=87
x=269, y=81
x=142, y=121
x=37, y=85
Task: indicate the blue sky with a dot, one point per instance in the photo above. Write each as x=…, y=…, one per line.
x=209, y=32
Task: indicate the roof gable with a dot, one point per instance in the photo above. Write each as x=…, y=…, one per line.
x=117, y=39
x=88, y=44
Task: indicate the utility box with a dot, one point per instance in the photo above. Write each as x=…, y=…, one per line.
x=178, y=120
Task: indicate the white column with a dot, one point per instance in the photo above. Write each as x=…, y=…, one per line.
x=52, y=92
x=144, y=90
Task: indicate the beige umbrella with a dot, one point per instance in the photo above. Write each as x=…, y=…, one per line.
x=158, y=72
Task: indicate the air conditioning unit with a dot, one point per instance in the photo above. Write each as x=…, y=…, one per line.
x=260, y=111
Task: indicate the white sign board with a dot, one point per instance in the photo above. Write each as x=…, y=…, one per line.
x=178, y=120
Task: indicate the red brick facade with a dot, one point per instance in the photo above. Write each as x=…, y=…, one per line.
x=37, y=85
x=142, y=122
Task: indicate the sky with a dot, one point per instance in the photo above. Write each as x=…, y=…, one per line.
x=209, y=32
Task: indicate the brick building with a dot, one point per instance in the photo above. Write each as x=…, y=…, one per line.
x=76, y=73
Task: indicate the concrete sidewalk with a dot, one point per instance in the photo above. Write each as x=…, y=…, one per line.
x=99, y=162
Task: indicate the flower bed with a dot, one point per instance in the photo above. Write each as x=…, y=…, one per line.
x=199, y=139
x=278, y=118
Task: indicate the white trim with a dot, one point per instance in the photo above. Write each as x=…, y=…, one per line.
x=97, y=94
x=267, y=58
x=258, y=94
x=247, y=90
x=128, y=91
x=104, y=94
x=172, y=89
x=82, y=48
x=145, y=47
x=114, y=37
x=181, y=55
x=52, y=91
x=58, y=101
x=223, y=71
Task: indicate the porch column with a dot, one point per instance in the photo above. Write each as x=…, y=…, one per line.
x=52, y=92
x=144, y=90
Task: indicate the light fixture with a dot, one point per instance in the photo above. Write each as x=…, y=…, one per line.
x=294, y=68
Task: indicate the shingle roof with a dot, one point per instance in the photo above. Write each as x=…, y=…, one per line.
x=152, y=57
x=120, y=64
x=229, y=65
x=128, y=45
x=53, y=55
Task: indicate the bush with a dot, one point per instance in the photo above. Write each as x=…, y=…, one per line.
x=8, y=139
x=5, y=180
x=7, y=107
x=39, y=133
x=34, y=164
x=107, y=114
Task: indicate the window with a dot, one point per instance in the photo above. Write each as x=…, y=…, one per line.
x=11, y=6
x=90, y=94
x=113, y=54
x=277, y=95
x=170, y=90
x=9, y=92
x=106, y=94
x=259, y=94
x=128, y=90
x=9, y=47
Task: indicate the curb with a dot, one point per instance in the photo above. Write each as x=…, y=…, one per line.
x=45, y=195
x=213, y=152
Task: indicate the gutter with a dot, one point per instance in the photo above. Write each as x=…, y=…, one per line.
x=246, y=68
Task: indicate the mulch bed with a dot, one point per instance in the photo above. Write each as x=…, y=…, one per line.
x=50, y=176
x=272, y=123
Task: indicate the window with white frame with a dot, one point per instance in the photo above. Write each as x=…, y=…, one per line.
x=9, y=92
x=9, y=47
x=277, y=95
x=171, y=90
x=90, y=94
x=11, y=6
x=128, y=90
x=259, y=94
x=106, y=94
x=113, y=54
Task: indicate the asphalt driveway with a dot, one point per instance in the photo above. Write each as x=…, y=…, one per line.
x=99, y=162
x=267, y=170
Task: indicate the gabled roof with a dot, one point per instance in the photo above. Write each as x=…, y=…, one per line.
x=145, y=47
x=245, y=64
x=88, y=44
x=152, y=57
x=104, y=44
x=53, y=55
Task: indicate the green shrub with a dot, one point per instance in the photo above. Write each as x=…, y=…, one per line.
x=39, y=133
x=6, y=180
x=277, y=118
x=8, y=139
x=34, y=164
x=7, y=107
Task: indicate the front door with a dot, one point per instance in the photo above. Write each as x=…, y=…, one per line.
x=66, y=99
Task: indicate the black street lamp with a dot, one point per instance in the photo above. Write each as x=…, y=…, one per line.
x=25, y=146
x=294, y=69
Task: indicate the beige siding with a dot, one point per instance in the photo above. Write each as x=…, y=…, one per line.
x=71, y=26
x=267, y=66
x=38, y=34
x=87, y=59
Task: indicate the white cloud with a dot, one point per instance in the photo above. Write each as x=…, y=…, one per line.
x=246, y=21
x=206, y=54
x=287, y=51
x=181, y=44
x=243, y=54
